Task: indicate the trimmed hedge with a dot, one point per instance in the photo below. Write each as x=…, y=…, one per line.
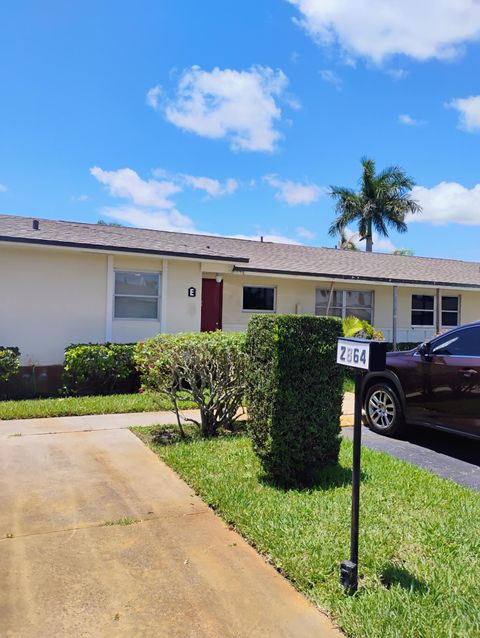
x=294, y=394
x=9, y=362
x=100, y=368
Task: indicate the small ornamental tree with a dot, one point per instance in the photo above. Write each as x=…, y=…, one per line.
x=294, y=394
x=209, y=367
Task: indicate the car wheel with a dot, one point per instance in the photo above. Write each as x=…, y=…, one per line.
x=383, y=410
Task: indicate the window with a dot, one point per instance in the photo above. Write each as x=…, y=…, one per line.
x=344, y=303
x=422, y=310
x=450, y=309
x=464, y=343
x=260, y=298
x=136, y=295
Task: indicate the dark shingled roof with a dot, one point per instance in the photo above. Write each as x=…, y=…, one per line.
x=247, y=255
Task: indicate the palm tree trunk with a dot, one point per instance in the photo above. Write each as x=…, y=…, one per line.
x=368, y=238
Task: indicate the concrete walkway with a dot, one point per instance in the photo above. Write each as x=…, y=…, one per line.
x=119, y=421
x=176, y=571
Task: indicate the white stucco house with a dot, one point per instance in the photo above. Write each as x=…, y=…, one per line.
x=64, y=282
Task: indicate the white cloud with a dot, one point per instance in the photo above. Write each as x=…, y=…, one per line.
x=238, y=105
x=212, y=187
x=294, y=193
x=398, y=74
x=469, y=109
x=127, y=184
x=152, y=96
x=152, y=205
x=80, y=198
x=3, y=188
x=408, y=120
x=304, y=233
x=330, y=76
x=448, y=202
x=377, y=29
x=171, y=220
x=380, y=244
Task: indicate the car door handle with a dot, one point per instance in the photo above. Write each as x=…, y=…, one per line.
x=468, y=372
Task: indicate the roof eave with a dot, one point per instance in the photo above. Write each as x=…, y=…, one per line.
x=124, y=249
x=391, y=280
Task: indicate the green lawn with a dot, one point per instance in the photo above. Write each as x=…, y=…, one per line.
x=348, y=385
x=420, y=536
x=78, y=406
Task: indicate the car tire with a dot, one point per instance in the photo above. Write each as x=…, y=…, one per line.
x=383, y=410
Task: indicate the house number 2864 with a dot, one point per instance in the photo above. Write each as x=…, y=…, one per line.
x=355, y=355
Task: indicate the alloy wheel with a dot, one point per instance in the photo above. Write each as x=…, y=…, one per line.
x=381, y=409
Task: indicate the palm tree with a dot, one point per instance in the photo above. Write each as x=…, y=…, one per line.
x=382, y=201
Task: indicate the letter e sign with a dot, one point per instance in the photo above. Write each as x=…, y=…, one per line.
x=192, y=291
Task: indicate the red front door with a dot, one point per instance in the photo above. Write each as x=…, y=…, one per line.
x=212, y=296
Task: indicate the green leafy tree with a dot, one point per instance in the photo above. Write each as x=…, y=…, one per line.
x=382, y=202
x=403, y=251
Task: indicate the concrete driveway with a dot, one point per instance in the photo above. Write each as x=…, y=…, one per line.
x=69, y=567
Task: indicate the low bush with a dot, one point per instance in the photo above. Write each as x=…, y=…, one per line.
x=209, y=367
x=361, y=329
x=100, y=368
x=294, y=394
x=9, y=363
x=403, y=345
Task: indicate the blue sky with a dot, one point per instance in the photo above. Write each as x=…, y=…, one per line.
x=235, y=117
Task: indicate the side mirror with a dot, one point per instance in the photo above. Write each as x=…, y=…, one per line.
x=425, y=350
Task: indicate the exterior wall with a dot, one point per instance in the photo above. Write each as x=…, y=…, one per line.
x=50, y=298
x=54, y=297
x=298, y=296
x=292, y=296
x=181, y=312
x=470, y=306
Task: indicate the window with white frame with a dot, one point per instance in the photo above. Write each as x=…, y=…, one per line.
x=344, y=303
x=450, y=311
x=137, y=295
x=259, y=298
x=423, y=311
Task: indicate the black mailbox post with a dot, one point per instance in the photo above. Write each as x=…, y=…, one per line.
x=364, y=356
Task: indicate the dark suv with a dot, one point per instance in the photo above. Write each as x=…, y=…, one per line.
x=437, y=384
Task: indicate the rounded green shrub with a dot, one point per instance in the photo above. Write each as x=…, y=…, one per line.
x=100, y=368
x=9, y=363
